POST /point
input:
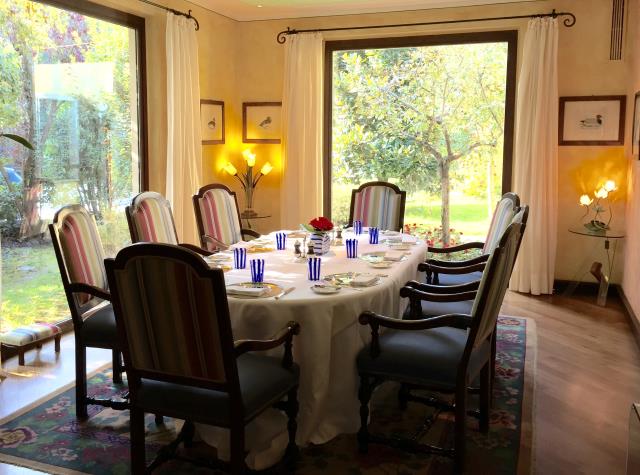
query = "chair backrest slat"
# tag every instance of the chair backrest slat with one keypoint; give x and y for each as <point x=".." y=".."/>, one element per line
<point x="505" y="210"/>
<point x="378" y="204"/>
<point x="494" y="283"/>
<point x="150" y="219"/>
<point x="173" y="312"/>
<point x="217" y="214"/>
<point x="75" y="237"/>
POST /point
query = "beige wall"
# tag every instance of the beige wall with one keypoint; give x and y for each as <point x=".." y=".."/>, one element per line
<point x="631" y="280"/>
<point x="584" y="69"/>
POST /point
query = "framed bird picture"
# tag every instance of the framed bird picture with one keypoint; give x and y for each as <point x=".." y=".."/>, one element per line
<point x="212" y="121"/>
<point x="261" y="122"/>
<point x="592" y="120"/>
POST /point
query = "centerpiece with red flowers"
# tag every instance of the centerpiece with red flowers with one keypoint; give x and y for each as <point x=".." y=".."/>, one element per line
<point x="319" y="229"/>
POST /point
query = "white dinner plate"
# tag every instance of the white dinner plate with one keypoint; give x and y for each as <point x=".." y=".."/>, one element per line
<point x="381" y="264"/>
<point x="325" y="289"/>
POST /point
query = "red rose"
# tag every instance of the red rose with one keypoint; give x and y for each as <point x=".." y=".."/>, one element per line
<point x="321" y="224"/>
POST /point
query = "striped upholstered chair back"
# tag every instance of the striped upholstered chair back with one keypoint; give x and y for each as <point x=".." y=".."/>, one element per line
<point x="494" y="283"/>
<point x="79" y="250"/>
<point x="379" y="204"/>
<point x="505" y="210"/>
<point x="172" y="312"/>
<point x="150" y="219"/>
<point x="217" y="215"/>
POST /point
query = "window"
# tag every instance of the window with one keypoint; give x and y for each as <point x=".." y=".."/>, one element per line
<point x="434" y="115"/>
<point x="72" y="83"/>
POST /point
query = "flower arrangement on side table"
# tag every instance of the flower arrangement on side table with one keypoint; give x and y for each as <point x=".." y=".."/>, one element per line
<point x="598" y="207"/>
<point x="319" y="228"/>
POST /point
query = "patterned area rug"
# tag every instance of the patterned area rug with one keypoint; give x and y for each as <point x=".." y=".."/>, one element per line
<point x="47" y="436"/>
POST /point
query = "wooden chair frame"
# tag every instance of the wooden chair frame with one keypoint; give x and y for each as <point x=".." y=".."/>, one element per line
<point x="230" y="350"/>
<point x="78" y="316"/>
<point x="397" y="190"/>
<point x="204" y="237"/>
<point x="433" y="267"/>
<point x="466" y="322"/>
<point x="133" y="231"/>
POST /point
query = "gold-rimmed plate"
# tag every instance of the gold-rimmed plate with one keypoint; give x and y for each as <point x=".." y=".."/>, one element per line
<point x="271" y="290"/>
<point x="346" y="279"/>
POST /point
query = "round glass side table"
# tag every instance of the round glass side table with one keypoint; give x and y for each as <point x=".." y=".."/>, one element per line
<point x="249" y="217"/>
<point x="602" y="275"/>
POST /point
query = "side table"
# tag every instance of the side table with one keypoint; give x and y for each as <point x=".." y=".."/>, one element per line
<point x="607" y="235"/>
<point x="249" y="217"/>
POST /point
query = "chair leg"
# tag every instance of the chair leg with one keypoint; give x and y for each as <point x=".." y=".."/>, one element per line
<point x="403" y="397"/>
<point x="138" y="458"/>
<point x="460" y="428"/>
<point x="238" y="466"/>
<point x="485" y="396"/>
<point x="117" y="366"/>
<point x="21" y="357"/>
<point x="364" y="394"/>
<point x="292" y="424"/>
<point x="81" y="380"/>
<point x="159" y="419"/>
<point x="57" y="343"/>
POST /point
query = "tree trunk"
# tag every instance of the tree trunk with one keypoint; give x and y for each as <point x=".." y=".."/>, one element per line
<point x="446" y="199"/>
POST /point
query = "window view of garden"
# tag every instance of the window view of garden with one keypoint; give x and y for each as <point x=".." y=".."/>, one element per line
<point x="429" y="119"/>
<point x="69" y="86"/>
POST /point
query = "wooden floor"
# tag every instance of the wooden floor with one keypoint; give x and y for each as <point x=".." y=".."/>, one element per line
<point x="588" y="374"/>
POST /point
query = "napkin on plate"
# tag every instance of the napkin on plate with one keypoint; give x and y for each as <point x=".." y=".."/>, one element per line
<point x="247" y="291"/>
<point x="364" y="280"/>
<point x="393" y="255"/>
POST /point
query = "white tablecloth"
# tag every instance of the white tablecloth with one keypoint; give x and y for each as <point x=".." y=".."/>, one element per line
<point x="326" y="348"/>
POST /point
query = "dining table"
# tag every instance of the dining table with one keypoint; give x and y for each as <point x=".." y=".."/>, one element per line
<point x="330" y="338"/>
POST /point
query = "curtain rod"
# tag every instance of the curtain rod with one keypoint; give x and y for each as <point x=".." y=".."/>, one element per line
<point x="175" y="12"/>
<point x="568" y="22"/>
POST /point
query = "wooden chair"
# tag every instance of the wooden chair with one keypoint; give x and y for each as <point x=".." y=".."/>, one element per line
<point x="218" y="218"/>
<point x="378" y="203"/>
<point x="441" y="272"/>
<point x="173" y="321"/>
<point x="80" y="257"/>
<point x="150" y="219"/>
<point x="441" y="354"/>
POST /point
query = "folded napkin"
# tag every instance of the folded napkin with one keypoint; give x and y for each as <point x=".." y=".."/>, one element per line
<point x="393" y="255"/>
<point x="364" y="280"/>
<point x="247" y="291"/>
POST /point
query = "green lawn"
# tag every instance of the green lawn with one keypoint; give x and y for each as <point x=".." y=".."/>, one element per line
<point x="31" y="285"/>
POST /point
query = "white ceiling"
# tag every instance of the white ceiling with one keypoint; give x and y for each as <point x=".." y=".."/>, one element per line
<point x="247" y="10"/>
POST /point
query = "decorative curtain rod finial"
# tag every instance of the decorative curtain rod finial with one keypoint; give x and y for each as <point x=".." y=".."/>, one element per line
<point x="282" y="36"/>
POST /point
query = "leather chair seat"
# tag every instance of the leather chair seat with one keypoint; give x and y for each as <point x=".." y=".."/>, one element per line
<point x="99" y="330"/>
<point x="263" y="382"/>
<point x="434" y="309"/>
<point x="458" y="279"/>
<point x="427" y="358"/>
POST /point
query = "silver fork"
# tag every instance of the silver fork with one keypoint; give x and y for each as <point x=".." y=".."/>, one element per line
<point x="284" y="292"/>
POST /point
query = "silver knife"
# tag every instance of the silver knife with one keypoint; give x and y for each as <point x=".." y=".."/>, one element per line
<point x="284" y="292"/>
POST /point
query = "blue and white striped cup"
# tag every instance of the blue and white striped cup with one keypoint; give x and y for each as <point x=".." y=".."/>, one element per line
<point x="257" y="270"/>
<point x="352" y="248"/>
<point x="357" y="227"/>
<point x="240" y="258"/>
<point x="314" y="268"/>
<point x="373" y="235"/>
<point x="281" y="241"/>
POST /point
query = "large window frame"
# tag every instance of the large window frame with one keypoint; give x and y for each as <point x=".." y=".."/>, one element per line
<point x="507" y="36"/>
<point x="118" y="17"/>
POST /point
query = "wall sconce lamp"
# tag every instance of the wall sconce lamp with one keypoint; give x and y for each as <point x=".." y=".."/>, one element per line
<point x="247" y="180"/>
<point x="597" y="205"/>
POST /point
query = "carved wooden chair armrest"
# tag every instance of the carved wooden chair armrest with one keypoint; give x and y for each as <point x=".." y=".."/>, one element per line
<point x="198" y="249"/>
<point x="81" y="288"/>
<point x="217" y="244"/>
<point x="376" y="321"/>
<point x="249" y="232"/>
<point x="456" y="248"/>
<point x="416" y="296"/>
<point x="479" y="267"/>
<point x="444" y="289"/>
<point x="460" y="263"/>
<point x="283" y="336"/>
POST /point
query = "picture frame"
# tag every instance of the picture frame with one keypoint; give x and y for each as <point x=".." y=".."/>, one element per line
<point x="592" y="120"/>
<point x="635" y="133"/>
<point x="261" y="122"/>
<point x="212" y="121"/>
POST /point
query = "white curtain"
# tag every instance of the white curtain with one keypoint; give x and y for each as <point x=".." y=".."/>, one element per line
<point x="184" y="144"/>
<point x="301" y="195"/>
<point x="536" y="157"/>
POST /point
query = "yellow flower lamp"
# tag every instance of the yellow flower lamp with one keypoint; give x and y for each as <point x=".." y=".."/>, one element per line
<point x="598" y="206"/>
<point x="247" y="180"/>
